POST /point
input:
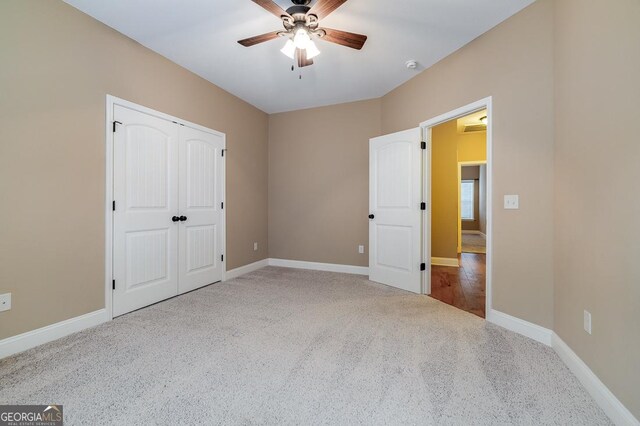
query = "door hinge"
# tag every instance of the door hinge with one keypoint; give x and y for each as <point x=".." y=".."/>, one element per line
<point x="114" y="125"/>
<point x="423" y="145"/>
<point x="113" y="206"/>
<point x="423" y="206"/>
<point x="223" y="152"/>
<point x="113" y="286"/>
<point x="423" y="266"/>
<point x="222" y="205"/>
<point x="222" y="258"/>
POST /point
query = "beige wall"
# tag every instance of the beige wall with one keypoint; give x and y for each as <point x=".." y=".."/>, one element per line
<point x="574" y="63"/>
<point x="319" y="182"/>
<point x="597" y="154"/>
<point x="513" y="63"/>
<point x="58" y="64"/>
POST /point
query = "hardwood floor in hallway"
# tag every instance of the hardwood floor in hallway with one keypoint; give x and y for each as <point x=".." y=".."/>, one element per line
<point x="462" y="287"/>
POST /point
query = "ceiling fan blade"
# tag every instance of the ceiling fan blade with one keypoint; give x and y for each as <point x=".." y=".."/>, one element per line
<point x="323" y="8"/>
<point x="301" y="58"/>
<point x="344" y="38"/>
<point x="247" y="42"/>
<point x="270" y="6"/>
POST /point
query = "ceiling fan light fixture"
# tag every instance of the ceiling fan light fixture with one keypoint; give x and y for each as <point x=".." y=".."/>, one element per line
<point x="289" y="49"/>
<point x="312" y="50"/>
<point x="301" y="39"/>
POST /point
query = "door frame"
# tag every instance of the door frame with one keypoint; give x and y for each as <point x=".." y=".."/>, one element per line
<point x="426" y="126"/>
<point x="462" y="164"/>
<point x="111" y="102"/>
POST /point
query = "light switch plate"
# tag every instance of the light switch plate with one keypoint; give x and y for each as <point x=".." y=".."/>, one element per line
<point x="511" y="202"/>
<point x="5" y="302"/>
<point x="587" y="321"/>
<point x="361" y="249"/>
<point x="255" y="246"/>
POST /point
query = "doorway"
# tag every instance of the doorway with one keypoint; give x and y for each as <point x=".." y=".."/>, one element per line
<point x="401" y="201"/>
<point x="472" y="211"/>
<point x="460" y="199"/>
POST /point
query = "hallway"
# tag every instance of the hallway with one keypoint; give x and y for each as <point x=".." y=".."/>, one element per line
<point x="462" y="287"/>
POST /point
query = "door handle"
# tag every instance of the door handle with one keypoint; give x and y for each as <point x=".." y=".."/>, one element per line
<point x="371" y="216"/>
<point x="175" y="219"/>
<point x="182" y="218"/>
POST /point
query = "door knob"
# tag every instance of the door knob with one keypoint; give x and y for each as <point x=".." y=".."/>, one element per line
<point x="182" y="218"/>
<point x="371" y="216"/>
<point x="175" y="218"/>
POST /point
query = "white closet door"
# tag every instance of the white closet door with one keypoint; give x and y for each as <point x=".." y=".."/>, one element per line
<point x="145" y="242"/>
<point x="201" y="191"/>
<point x="395" y="220"/>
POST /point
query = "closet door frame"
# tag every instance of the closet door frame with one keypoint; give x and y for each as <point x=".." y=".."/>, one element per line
<point x="111" y="102"/>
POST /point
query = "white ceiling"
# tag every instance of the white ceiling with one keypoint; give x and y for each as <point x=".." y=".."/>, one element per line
<point x="201" y="36"/>
<point x="470" y="120"/>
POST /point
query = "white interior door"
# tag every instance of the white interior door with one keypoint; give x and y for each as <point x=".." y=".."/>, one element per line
<point x="145" y="240"/>
<point x="395" y="220"/>
<point x="201" y="238"/>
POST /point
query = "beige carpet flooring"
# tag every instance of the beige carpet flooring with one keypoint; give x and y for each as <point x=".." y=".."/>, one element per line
<point x="474" y="243"/>
<point x="284" y="346"/>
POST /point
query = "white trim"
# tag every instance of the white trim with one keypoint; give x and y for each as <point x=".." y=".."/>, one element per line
<point x="235" y="273"/>
<point x="520" y="326"/>
<point x="426" y="217"/>
<point x="486" y="103"/>
<point x="108" y="210"/>
<point x="111" y="102"/>
<point x="445" y="261"/>
<point x="315" y="266"/>
<point x="31" y="339"/>
<point x="611" y="405"/>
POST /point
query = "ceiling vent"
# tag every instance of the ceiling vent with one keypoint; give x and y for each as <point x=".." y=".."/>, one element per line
<point x="470" y="128"/>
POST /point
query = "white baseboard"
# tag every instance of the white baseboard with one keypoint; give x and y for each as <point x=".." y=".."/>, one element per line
<point x="31" y="339"/>
<point x="235" y="273"/>
<point x="315" y="266"/>
<point x="520" y="326"/>
<point x="611" y="405"/>
<point x="445" y="261"/>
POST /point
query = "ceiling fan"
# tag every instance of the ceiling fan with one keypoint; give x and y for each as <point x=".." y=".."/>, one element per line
<point x="301" y="26"/>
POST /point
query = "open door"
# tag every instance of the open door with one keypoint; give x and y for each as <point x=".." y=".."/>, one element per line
<point x="395" y="215"/>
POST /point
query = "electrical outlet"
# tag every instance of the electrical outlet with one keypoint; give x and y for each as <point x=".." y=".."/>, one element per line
<point x="361" y="249"/>
<point x="255" y="246"/>
<point x="587" y="321"/>
<point x="511" y="202"/>
<point x="5" y="302"/>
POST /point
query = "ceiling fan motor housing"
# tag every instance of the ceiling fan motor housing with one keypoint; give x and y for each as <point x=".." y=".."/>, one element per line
<point x="298" y="11"/>
<point x="301" y="2"/>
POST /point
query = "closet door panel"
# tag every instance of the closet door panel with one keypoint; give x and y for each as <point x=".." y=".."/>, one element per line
<point x="201" y="197"/>
<point x="145" y="240"/>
